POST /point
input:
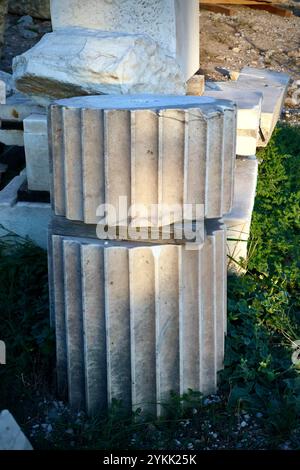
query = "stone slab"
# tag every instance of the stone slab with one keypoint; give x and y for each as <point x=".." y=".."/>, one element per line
<point x="12" y="137"/>
<point x="36" y="8"/>
<point x="238" y="221"/>
<point x="9" y="194"/>
<point x="173" y="24"/>
<point x="11" y="435"/>
<point x="265" y="76"/>
<point x="76" y="61"/>
<point x="25" y="219"/>
<point x="272" y="85"/>
<point x="3" y="13"/>
<point x="18" y="107"/>
<point x="248" y="117"/>
<point x="37" y="152"/>
<point x="151" y="150"/>
<point x="8" y="80"/>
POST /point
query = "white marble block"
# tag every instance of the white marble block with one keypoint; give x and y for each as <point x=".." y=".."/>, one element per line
<point x="248" y="116"/>
<point x="153" y="150"/>
<point x="18" y="107"/>
<point x="273" y="88"/>
<point x="2" y="92"/>
<point x="37" y="152"/>
<point x="273" y="85"/>
<point x="238" y="221"/>
<point x="11" y="436"/>
<point x="173" y="24"/>
<point x="12" y="137"/>
<point x="136" y="321"/>
<point x="15" y="109"/>
<point x="25" y="219"/>
<point x="78" y="61"/>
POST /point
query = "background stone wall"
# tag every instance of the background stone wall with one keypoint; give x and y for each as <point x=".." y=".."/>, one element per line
<point x="3" y="12"/>
<point x="35" y="8"/>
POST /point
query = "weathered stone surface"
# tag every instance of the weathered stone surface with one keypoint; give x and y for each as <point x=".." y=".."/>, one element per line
<point x="273" y="87"/>
<point x="173" y="24"/>
<point x="238" y="221"/>
<point x="167" y="322"/>
<point x="11" y="436"/>
<point x="169" y="151"/>
<point x="2" y="92"/>
<point x="77" y="61"/>
<point x="9" y="194"/>
<point x="9" y="83"/>
<point x="3" y="13"/>
<point x="26" y="219"/>
<point x="117" y="319"/>
<point x="143" y="327"/>
<point x="18" y="107"/>
<point x="265" y="76"/>
<point x="74" y="324"/>
<point x="94" y="328"/>
<point x="12" y="137"/>
<point x="163" y="322"/>
<point x="37" y="152"/>
<point x="36" y="8"/>
<point x="248" y="116"/>
<point x="195" y="86"/>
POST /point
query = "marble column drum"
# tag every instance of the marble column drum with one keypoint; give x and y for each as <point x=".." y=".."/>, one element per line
<point x="162" y="150"/>
<point x="135" y="321"/>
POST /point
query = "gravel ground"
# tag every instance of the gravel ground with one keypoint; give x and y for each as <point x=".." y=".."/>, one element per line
<point x="256" y="39"/>
<point x="251" y="37"/>
<point x="210" y="427"/>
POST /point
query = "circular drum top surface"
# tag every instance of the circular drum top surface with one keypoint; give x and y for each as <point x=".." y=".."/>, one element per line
<point x="142" y="101"/>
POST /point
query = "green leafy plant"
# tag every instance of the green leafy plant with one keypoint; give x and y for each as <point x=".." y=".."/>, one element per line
<point x="24" y="316"/>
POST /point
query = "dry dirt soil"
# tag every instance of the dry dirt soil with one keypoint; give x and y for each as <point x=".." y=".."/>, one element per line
<point x="250" y="37"/>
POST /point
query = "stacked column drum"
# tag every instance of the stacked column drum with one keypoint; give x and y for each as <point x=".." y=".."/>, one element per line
<point x="138" y="318"/>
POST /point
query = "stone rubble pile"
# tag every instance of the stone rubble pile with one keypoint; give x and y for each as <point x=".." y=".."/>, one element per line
<point x="135" y="322"/>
